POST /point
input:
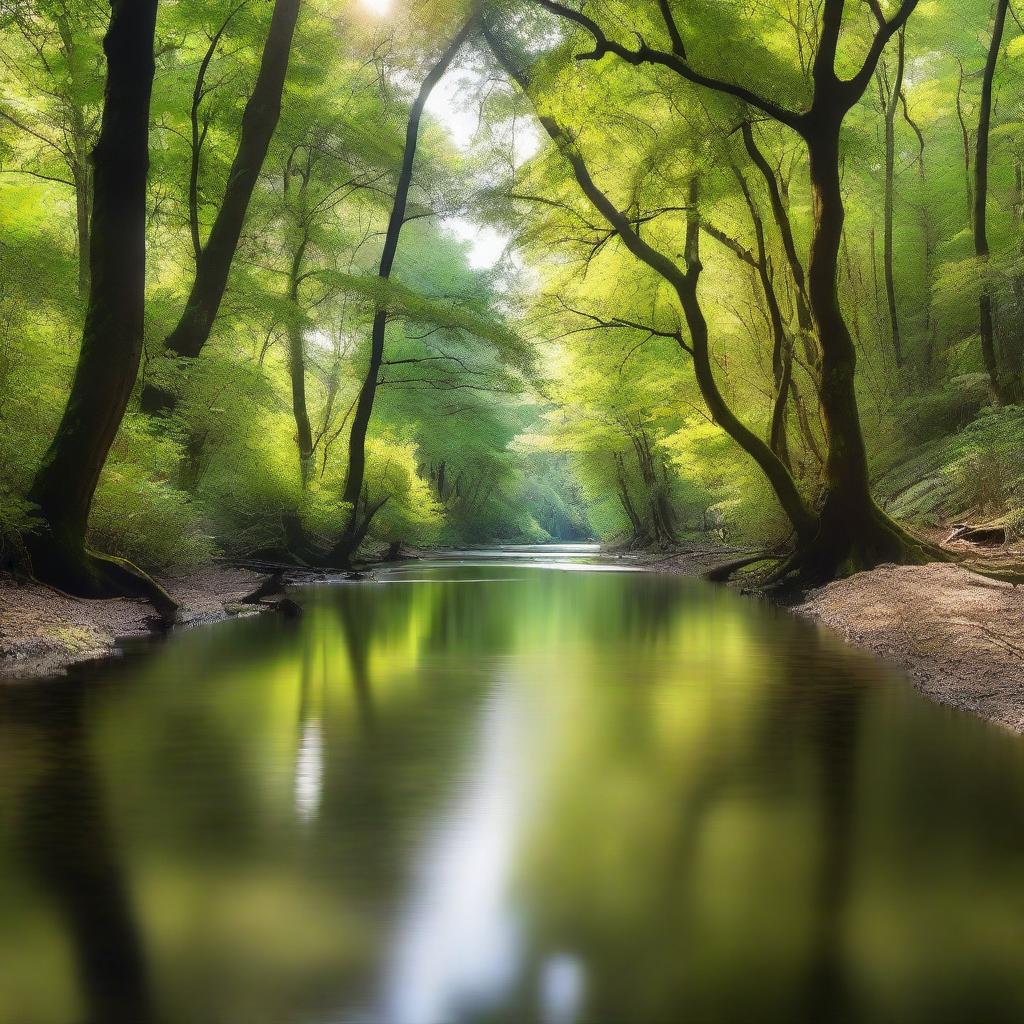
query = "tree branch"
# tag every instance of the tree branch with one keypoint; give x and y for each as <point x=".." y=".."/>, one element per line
<point x="887" y="29"/>
<point x="674" y="61"/>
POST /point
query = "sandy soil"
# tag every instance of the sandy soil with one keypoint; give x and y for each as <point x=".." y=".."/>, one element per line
<point x="43" y="632"/>
<point x="959" y="636"/>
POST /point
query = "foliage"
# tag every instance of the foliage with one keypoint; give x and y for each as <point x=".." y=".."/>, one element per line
<point x="549" y="393"/>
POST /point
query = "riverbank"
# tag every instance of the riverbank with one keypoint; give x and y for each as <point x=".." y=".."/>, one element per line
<point x="958" y="636"/>
<point x="45" y="632"/>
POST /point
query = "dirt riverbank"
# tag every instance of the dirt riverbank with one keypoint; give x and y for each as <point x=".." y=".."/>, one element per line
<point x="44" y="632"/>
<point x="959" y="636"/>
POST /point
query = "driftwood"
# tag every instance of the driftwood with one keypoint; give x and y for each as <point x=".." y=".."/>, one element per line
<point x="986" y="536"/>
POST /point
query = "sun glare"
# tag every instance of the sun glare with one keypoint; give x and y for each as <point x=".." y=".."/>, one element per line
<point x="378" y="7"/>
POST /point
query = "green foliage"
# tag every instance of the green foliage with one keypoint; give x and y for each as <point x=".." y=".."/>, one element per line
<point x="150" y="523"/>
<point x="550" y="395"/>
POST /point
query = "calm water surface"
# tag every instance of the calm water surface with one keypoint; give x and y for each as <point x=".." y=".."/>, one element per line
<point x="506" y="788"/>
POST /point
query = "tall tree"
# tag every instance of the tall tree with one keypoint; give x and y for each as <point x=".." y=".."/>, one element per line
<point x="112" y="338"/>
<point x="58" y="117"/>
<point x="853" y="533"/>
<point x="213" y="264"/>
<point x="360" y="516"/>
<point x="981" y="242"/>
<point x="890" y="91"/>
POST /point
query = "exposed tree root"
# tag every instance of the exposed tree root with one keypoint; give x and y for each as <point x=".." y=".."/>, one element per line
<point x="723" y="573"/>
<point x="844" y="551"/>
<point x="81" y="573"/>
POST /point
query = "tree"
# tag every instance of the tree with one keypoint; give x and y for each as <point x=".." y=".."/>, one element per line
<point x="851" y="531"/>
<point x="1000" y="391"/>
<point x="360" y="516"/>
<point x="56" y="114"/>
<point x="890" y="91"/>
<point x="112" y="339"/>
<point x="213" y="261"/>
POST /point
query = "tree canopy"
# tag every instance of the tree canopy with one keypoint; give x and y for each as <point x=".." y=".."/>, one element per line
<point x="517" y="270"/>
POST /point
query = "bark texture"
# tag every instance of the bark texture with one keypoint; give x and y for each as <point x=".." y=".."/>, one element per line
<point x="108" y="362"/>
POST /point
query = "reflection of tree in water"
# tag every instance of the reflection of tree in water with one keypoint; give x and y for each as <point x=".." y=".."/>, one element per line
<point x="653" y="938"/>
<point x="65" y="835"/>
<point x="381" y="708"/>
<point x="801" y="723"/>
<point x="359" y="618"/>
<point x="647" y="606"/>
<point x="817" y="704"/>
<point x="471" y="616"/>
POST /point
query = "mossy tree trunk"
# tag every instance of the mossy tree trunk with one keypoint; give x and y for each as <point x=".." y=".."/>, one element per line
<point x="111" y="349"/>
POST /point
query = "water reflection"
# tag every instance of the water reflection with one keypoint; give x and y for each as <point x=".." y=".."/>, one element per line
<point x="458" y="947"/>
<point x="64" y="838"/>
<point x="564" y="797"/>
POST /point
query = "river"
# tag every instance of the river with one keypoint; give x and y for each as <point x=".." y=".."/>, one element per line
<point x="506" y="786"/>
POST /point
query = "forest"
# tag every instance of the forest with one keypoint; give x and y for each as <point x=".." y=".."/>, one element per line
<point x="317" y="279"/>
<point x="511" y="511"/>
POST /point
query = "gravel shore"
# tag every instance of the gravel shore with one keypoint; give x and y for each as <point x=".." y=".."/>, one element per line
<point x="45" y="632"/>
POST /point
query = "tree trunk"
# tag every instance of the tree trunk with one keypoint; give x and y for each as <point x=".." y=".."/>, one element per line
<point x="259" y="121"/>
<point x="297" y="372"/>
<point x="785" y="228"/>
<point x="346" y="547"/>
<point x="928" y="232"/>
<point x="965" y="141"/>
<point x="641" y="535"/>
<point x="981" y="245"/>
<point x="782" y="348"/>
<point x="112" y="338"/>
<point x="854" y="533"/>
<point x="686" y="288"/>
<point x="891" y="107"/>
